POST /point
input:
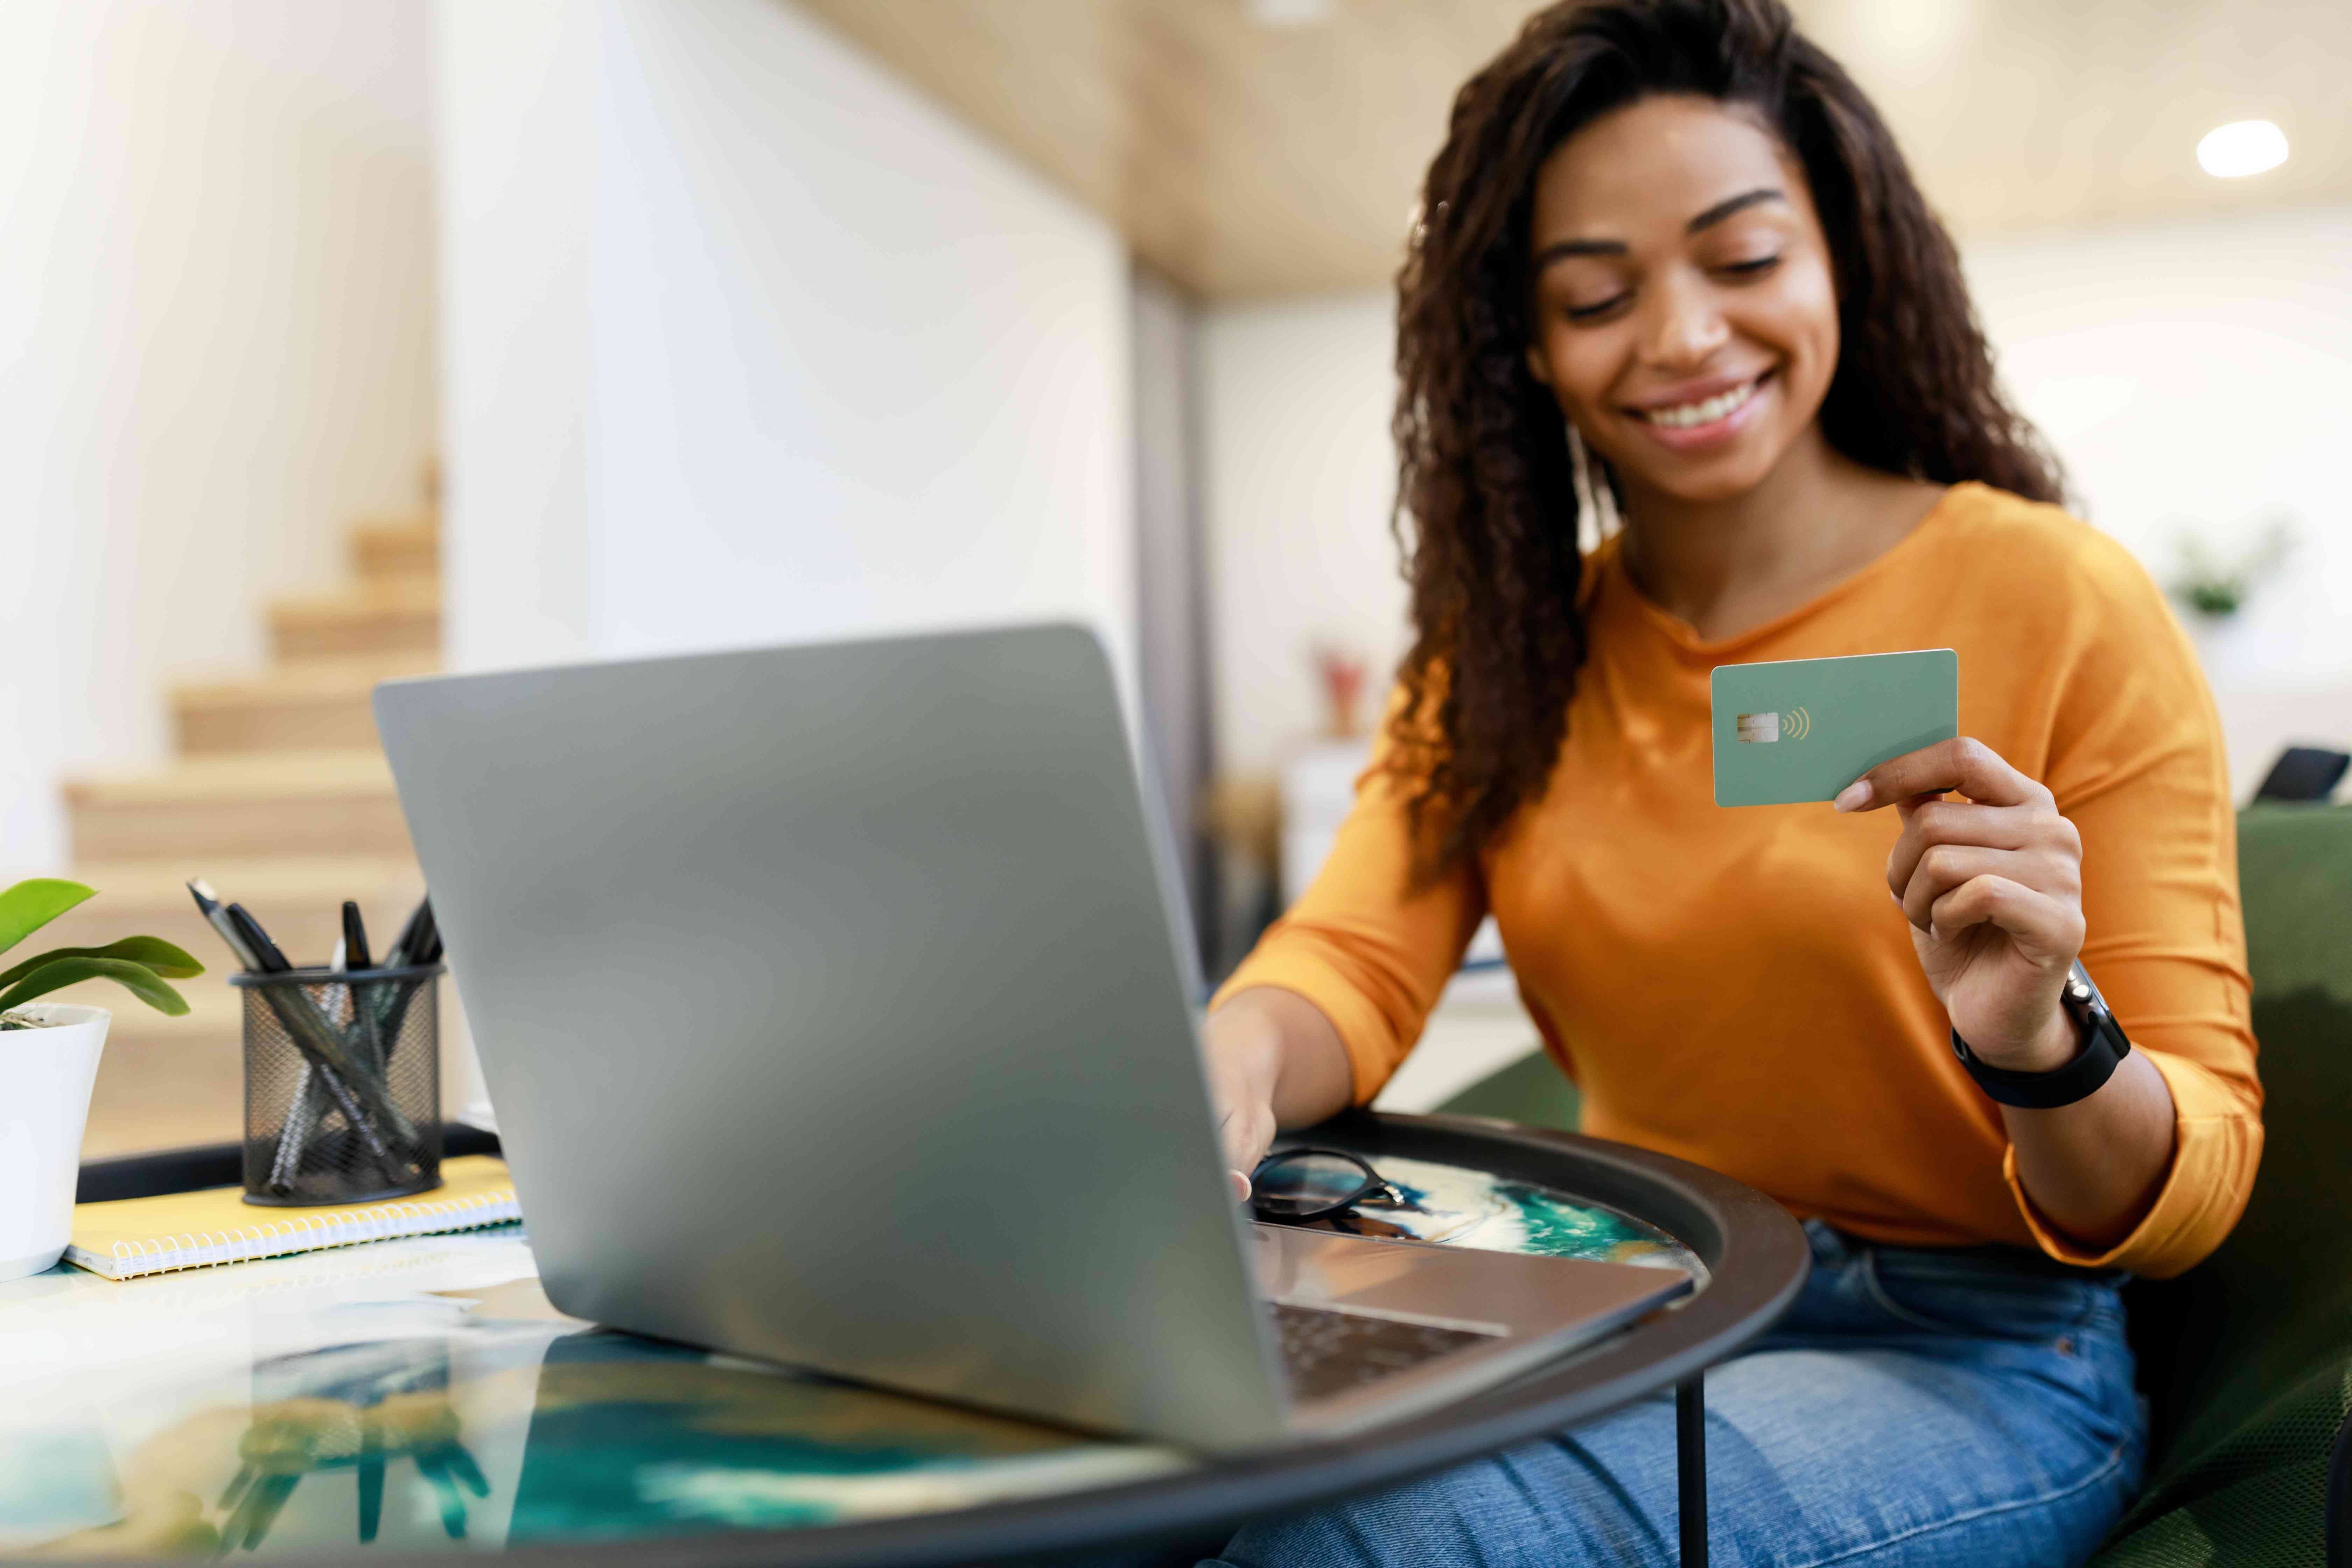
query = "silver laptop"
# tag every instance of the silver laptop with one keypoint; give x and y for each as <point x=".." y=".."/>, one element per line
<point x="833" y="1005"/>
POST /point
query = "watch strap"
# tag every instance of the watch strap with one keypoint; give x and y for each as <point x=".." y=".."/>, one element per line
<point x="2104" y="1046"/>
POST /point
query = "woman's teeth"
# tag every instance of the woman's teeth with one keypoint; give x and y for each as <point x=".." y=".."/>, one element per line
<point x="1685" y="415"/>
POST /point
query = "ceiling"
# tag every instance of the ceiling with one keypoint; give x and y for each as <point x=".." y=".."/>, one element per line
<point x="1244" y="161"/>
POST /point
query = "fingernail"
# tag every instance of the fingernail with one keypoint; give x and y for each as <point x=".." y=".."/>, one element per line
<point x="1895" y="897"/>
<point x="1854" y="797"/>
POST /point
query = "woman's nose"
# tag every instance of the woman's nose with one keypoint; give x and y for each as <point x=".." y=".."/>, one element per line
<point x="1683" y="328"/>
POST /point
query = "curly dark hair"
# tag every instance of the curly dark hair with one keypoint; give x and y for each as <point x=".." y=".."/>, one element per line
<point x="1484" y="472"/>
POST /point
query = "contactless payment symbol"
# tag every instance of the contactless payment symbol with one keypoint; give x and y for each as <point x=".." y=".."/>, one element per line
<point x="1790" y="730"/>
<point x="1764" y="729"/>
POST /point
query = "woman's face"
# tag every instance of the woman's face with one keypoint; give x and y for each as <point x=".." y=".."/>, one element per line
<point x="1685" y="315"/>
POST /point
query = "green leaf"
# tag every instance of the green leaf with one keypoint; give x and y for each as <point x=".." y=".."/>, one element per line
<point x="136" y="978"/>
<point x="30" y="905"/>
<point x="152" y="952"/>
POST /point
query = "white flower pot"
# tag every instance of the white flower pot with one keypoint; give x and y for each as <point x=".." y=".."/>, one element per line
<point x="44" y="1079"/>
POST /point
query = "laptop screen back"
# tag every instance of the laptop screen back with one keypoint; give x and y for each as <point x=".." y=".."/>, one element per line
<point x="830" y="1005"/>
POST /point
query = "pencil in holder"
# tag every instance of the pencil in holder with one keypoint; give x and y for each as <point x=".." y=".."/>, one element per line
<point x="342" y="1084"/>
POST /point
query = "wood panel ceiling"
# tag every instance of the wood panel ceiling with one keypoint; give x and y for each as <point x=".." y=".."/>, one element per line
<point x="1246" y="160"/>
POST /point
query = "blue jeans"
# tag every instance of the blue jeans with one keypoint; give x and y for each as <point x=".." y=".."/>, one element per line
<point x="1914" y="1407"/>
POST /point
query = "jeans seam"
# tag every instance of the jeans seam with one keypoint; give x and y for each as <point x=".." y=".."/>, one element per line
<point x="2113" y="1460"/>
<point x="1878" y="1294"/>
<point x="1886" y="1303"/>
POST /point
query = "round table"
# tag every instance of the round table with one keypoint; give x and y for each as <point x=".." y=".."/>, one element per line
<point x="1757" y="1257"/>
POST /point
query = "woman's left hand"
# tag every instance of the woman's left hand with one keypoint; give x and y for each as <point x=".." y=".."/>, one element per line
<point x="1993" y="888"/>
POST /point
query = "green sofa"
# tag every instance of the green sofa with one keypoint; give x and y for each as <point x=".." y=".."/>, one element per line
<point x="2247" y="1358"/>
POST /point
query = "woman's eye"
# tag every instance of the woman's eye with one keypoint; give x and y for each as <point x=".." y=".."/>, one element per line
<point x="1597" y="309"/>
<point x="1750" y="269"/>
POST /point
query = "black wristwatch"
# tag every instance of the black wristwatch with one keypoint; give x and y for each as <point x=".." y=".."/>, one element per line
<point x="2104" y="1046"/>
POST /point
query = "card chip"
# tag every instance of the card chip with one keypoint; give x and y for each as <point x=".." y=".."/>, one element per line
<point x="1759" y="727"/>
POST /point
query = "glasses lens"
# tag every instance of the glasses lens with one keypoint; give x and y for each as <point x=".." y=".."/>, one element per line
<point x="1309" y="1181"/>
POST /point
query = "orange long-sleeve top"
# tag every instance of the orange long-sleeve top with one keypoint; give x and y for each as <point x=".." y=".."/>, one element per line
<point x="1734" y="987"/>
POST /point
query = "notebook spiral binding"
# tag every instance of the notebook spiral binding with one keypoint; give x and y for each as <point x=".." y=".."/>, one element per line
<point x="298" y="1233"/>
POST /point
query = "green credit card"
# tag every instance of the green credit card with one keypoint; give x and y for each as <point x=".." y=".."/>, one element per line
<point x="1804" y="729"/>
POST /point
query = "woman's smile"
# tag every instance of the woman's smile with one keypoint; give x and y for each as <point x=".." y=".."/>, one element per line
<point x="1696" y="417"/>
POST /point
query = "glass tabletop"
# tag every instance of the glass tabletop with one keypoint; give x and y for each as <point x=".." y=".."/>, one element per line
<point x="424" y="1396"/>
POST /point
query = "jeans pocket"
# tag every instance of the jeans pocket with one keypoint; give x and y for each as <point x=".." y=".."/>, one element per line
<point x="1982" y="1297"/>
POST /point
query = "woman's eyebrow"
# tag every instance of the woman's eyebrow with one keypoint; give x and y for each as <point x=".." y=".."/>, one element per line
<point x="1713" y="216"/>
<point x="1739" y="203"/>
<point x="1566" y="248"/>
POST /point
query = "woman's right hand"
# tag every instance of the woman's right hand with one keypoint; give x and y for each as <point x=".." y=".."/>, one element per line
<point x="1273" y="1060"/>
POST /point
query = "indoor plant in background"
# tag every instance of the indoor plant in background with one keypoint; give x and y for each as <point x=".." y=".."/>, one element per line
<point x="2216" y="582"/>
<point x="48" y="1059"/>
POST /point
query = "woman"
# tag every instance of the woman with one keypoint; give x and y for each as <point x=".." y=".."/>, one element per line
<point x="1671" y="264"/>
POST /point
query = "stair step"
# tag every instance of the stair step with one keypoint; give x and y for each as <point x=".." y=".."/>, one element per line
<point x="403" y="618"/>
<point x="313" y="706"/>
<point x="280" y="890"/>
<point x="164" y="1094"/>
<point x="391" y="666"/>
<point x="397" y="550"/>
<point x="212" y="808"/>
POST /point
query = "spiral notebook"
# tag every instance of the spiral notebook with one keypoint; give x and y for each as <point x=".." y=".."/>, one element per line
<point x="134" y="1237"/>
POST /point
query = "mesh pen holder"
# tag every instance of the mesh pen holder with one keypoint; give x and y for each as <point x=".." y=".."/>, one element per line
<point x="342" y="1084"/>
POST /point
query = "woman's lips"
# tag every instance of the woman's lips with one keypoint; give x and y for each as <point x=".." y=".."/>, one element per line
<point x="1686" y="426"/>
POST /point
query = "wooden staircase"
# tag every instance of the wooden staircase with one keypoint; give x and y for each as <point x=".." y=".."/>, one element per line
<point x="280" y="798"/>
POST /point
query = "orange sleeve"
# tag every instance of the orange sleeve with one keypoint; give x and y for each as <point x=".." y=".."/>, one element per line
<point x="2137" y="764"/>
<point x="1372" y="955"/>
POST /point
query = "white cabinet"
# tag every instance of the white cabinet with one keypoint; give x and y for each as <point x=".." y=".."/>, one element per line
<point x="1478" y="1025"/>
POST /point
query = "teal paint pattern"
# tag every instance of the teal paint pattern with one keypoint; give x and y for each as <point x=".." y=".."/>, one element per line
<point x="1460" y="1207"/>
<point x="412" y="1395"/>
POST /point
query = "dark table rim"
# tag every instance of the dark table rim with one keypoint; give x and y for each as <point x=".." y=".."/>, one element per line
<point x="1755" y="1253"/>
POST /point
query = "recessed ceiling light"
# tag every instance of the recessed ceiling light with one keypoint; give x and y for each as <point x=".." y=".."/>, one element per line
<point x="1289" y="16"/>
<point x="2240" y="148"/>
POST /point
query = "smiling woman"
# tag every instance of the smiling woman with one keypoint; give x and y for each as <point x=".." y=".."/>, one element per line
<point x="1705" y="247"/>
<point x="1670" y="248"/>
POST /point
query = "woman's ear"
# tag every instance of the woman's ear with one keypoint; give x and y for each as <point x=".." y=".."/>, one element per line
<point x="1538" y="366"/>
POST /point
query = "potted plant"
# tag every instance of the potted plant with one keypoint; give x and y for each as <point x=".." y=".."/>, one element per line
<point x="48" y="1059"/>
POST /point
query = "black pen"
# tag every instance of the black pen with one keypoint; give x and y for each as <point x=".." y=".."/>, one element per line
<point x="290" y="1140"/>
<point x="265" y="952"/>
<point x="355" y="946"/>
<point x="406" y="943"/>
<point x="420" y="944"/>
<point x="427" y="947"/>
<point x="208" y="905"/>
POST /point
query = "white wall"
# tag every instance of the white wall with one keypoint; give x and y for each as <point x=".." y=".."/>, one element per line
<point x="2194" y="373"/>
<point x="215" y="298"/>
<point x="743" y="341"/>
<point x="1300" y="475"/>
<point x="515" y="137"/>
<point x="2198" y="377"/>
<point x="748" y="342"/>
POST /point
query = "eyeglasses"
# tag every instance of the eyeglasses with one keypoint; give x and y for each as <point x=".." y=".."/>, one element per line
<point x="1292" y="1186"/>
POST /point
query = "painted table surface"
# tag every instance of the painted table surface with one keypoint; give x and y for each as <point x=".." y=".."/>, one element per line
<point x="423" y="1395"/>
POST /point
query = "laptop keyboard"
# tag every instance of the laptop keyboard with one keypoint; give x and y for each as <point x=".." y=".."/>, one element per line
<point x="1326" y="1352"/>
